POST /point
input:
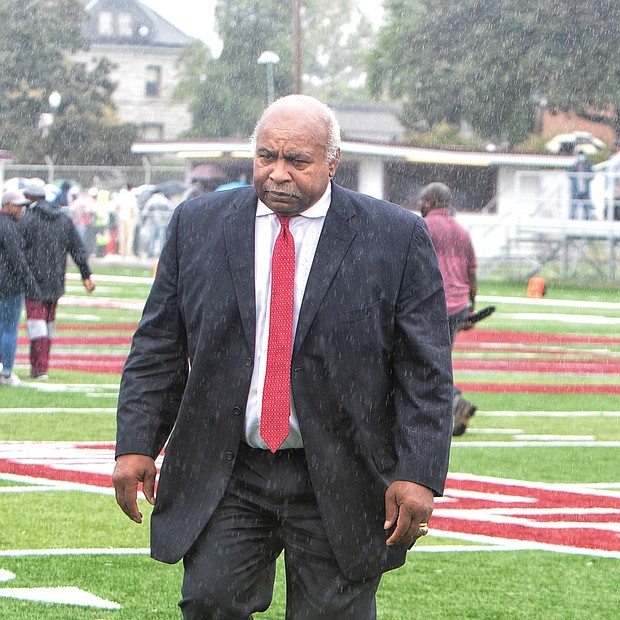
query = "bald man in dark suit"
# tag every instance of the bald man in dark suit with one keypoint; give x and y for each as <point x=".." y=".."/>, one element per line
<point x="348" y="486"/>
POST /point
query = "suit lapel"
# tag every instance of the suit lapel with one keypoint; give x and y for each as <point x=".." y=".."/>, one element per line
<point x="239" y="238"/>
<point x="336" y="237"/>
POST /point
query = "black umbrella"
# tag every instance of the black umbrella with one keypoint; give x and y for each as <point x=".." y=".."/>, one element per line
<point x="172" y="188"/>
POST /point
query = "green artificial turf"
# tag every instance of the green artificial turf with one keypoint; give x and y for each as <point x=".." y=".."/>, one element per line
<point x="84" y="529"/>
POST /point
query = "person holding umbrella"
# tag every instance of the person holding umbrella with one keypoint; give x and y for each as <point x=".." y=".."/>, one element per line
<point x="612" y="206"/>
<point x="580" y="178"/>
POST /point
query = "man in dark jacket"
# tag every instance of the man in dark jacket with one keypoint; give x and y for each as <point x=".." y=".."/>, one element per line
<point x="49" y="235"/>
<point x="15" y="279"/>
<point x="316" y="417"/>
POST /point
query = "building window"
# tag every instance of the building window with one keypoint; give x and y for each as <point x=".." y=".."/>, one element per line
<point x="152" y="132"/>
<point x="153" y="80"/>
<point x="106" y="24"/>
<point x="125" y="25"/>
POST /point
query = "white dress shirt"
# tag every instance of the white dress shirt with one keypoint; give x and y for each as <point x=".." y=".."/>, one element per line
<point x="306" y="229"/>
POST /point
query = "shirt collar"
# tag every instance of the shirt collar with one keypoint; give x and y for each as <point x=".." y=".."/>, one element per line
<point x="440" y="212"/>
<point x="318" y="209"/>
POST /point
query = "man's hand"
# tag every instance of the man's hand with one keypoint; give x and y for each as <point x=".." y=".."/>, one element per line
<point x="89" y="285"/>
<point x="407" y="504"/>
<point x="130" y="470"/>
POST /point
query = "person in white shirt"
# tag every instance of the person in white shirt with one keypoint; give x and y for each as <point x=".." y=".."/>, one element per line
<point x="127" y="219"/>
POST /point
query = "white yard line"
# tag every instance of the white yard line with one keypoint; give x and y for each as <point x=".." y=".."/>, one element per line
<point x="28" y="410"/>
<point x="53" y="485"/>
<point x="494" y="431"/>
<point x="585" y="319"/>
<point x="100" y="302"/>
<point x="84" y="388"/>
<point x="492" y="544"/>
<point x="536" y="444"/>
<point x="100" y="277"/>
<point x="548" y="414"/>
<point x="20" y="553"/>
<point x="562" y="303"/>
<point x="507" y="544"/>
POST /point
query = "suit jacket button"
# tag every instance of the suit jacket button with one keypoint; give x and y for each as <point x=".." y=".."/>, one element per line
<point x="237" y="410"/>
<point x="229" y="455"/>
<point x="248" y="361"/>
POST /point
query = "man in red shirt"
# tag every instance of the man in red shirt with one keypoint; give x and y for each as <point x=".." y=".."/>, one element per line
<point x="457" y="262"/>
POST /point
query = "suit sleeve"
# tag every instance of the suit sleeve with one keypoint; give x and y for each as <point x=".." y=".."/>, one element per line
<point x="422" y="369"/>
<point x="157" y="367"/>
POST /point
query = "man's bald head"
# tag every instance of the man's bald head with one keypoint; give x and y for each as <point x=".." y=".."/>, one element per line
<point x="317" y="112"/>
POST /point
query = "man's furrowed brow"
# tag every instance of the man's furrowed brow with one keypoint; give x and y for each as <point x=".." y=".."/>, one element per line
<point x="297" y="155"/>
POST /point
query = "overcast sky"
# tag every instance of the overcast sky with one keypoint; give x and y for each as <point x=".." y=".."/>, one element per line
<point x="196" y="18"/>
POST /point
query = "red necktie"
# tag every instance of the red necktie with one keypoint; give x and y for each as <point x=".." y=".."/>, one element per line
<point x="274" y="421"/>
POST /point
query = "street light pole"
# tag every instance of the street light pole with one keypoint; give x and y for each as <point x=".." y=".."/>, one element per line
<point x="539" y="98"/>
<point x="270" y="59"/>
<point x="298" y="46"/>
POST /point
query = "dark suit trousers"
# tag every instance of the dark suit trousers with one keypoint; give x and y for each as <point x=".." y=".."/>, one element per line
<point x="269" y="507"/>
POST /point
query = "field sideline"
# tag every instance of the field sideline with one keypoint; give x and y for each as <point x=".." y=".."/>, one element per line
<point x="532" y="506"/>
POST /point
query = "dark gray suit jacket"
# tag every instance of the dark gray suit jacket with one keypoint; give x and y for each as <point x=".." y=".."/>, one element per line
<point x="370" y="375"/>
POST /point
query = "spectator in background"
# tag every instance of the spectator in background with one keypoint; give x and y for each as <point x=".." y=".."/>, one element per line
<point x="83" y="216"/>
<point x="102" y="222"/>
<point x="49" y="236"/>
<point x="15" y="279"/>
<point x="63" y="199"/>
<point x="458" y="264"/>
<point x="126" y="218"/>
<point x="156" y="216"/>
<point x="580" y="174"/>
<point x="612" y="186"/>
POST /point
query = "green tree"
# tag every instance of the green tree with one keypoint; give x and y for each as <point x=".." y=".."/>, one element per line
<point x="226" y="95"/>
<point x="37" y="38"/>
<point x="481" y="62"/>
<point x="337" y="36"/>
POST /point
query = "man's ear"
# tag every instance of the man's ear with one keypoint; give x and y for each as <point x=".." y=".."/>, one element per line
<point x="333" y="165"/>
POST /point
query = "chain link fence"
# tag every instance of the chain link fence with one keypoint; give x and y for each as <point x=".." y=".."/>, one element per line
<point x="111" y="178"/>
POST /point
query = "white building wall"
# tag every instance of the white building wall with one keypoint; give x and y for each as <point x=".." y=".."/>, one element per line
<point x="370" y="176"/>
<point x="526" y="193"/>
<point x="130" y="75"/>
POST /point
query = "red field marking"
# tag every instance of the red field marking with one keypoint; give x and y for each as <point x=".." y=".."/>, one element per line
<point x="84" y="340"/>
<point x="560" y="362"/>
<point x="472" y="505"/>
<point x="544" y="365"/>
<point x="102" y="363"/>
<point x="503" y="337"/>
<point x="519" y="349"/>
<point x="541" y="513"/>
<point x="539" y="388"/>
<point x="113" y="327"/>
<point x="95" y="327"/>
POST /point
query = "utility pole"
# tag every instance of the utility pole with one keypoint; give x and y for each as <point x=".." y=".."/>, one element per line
<point x="298" y="46"/>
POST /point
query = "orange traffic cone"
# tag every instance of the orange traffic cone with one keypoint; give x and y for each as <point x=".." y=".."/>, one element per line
<point x="536" y="287"/>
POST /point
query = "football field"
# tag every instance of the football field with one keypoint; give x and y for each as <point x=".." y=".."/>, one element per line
<point x="529" y="526"/>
